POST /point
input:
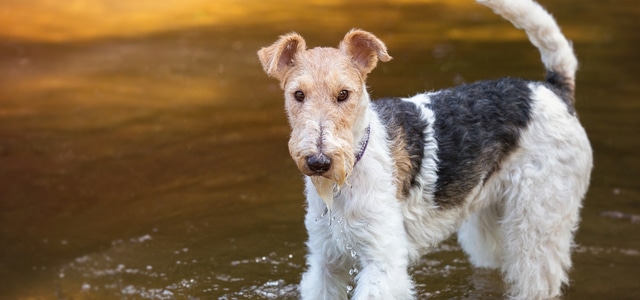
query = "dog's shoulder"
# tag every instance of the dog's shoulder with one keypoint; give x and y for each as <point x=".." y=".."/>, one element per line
<point x="405" y="126"/>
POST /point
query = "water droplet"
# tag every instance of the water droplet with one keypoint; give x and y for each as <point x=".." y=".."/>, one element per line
<point x="143" y="238"/>
<point x="167" y="293"/>
<point x="353" y="253"/>
<point x="185" y="283"/>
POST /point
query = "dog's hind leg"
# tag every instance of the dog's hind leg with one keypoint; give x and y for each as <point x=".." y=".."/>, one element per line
<point x="481" y="238"/>
<point x="538" y="238"/>
<point x="541" y="214"/>
<point x="543" y="183"/>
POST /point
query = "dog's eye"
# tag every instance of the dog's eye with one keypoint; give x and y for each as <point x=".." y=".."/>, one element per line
<point x="343" y="95"/>
<point x="299" y="96"/>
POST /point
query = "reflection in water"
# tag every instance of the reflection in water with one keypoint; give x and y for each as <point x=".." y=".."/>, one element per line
<point x="143" y="151"/>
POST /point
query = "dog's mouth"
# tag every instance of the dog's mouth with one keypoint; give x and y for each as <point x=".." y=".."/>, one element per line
<point x="326" y="175"/>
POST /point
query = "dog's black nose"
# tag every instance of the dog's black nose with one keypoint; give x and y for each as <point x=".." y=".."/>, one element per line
<point x="319" y="163"/>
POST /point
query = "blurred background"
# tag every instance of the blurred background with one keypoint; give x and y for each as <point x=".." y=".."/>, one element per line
<point x="143" y="151"/>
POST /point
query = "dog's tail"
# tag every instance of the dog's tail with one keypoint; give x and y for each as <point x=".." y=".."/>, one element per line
<point x="543" y="31"/>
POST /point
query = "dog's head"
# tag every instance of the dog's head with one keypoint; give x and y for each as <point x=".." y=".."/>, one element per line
<point x="325" y="98"/>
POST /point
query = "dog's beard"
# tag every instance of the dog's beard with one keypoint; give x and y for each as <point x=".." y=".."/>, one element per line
<point x="341" y="167"/>
<point x="327" y="184"/>
<point x="324" y="188"/>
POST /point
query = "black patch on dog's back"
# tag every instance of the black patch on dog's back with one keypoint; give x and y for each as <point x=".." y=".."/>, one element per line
<point x="405" y="127"/>
<point x="477" y="125"/>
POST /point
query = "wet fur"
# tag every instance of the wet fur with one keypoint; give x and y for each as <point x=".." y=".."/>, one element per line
<point x="504" y="163"/>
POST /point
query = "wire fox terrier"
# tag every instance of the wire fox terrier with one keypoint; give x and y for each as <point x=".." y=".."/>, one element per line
<point x="504" y="163"/>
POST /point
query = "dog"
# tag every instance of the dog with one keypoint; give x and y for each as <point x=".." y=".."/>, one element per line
<point x="504" y="163"/>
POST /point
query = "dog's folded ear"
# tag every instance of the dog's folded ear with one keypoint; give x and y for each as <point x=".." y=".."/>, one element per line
<point x="279" y="57"/>
<point x="365" y="49"/>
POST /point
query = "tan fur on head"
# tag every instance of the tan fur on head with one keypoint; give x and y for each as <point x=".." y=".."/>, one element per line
<point x="320" y="123"/>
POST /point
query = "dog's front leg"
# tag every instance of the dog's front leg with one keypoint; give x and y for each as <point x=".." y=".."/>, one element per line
<point x="384" y="260"/>
<point x="327" y="276"/>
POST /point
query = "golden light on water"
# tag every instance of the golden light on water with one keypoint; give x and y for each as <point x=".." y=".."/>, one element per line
<point x="54" y="20"/>
<point x="60" y="21"/>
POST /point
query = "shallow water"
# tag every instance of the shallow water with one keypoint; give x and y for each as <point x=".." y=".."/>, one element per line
<point x="143" y="150"/>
